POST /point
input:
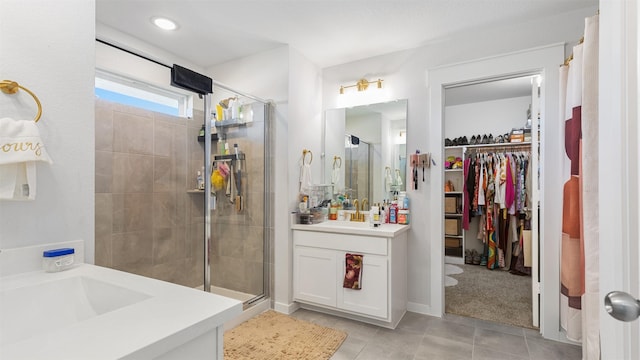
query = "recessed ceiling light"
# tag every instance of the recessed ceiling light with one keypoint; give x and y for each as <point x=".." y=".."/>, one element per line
<point x="164" y="23"/>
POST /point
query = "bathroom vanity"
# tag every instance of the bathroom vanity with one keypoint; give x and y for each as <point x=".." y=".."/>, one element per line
<point x="319" y="252"/>
<point x="91" y="312"/>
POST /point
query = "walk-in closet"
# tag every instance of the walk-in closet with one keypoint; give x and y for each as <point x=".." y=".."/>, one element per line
<point x="490" y="170"/>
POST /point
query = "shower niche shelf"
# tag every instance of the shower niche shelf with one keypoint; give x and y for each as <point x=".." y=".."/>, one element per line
<point x="229" y="157"/>
<point x="230" y="123"/>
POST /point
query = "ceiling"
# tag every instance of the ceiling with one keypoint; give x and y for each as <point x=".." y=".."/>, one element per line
<point x="328" y="32"/>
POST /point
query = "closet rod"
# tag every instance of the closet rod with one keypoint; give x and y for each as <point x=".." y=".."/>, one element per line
<point x="217" y="83"/>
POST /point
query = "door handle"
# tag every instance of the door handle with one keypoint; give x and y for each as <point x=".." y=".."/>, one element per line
<point x="622" y="306"/>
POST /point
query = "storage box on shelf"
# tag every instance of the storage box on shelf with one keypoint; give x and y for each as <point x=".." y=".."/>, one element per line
<point x="453" y="199"/>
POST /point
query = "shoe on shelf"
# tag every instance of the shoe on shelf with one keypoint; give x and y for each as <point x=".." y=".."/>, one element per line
<point x="475" y="257"/>
<point x="499" y="139"/>
<point x="473" y="140"/>
<point x="490" y="139"/>
<point x="485" y="140"/>
<point x="465" y="141"/>
<point x="447" y="142"/>
<point x="468" y="259"/>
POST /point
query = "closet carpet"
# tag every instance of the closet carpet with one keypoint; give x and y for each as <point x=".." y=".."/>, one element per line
<point x="494" y="295"/>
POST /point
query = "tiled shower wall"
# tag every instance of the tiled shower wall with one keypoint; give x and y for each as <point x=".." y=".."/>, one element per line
<point x="146" y="221"/>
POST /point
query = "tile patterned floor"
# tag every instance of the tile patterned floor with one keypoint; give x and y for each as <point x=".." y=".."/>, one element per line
<point x="421" y="337"/>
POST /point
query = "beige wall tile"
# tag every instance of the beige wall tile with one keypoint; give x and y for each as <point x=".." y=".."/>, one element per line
<point x="132" y="212"/>
<point x="104" y="126"/>
<point x="163" y="174"/>
<point x="133" y="250"/>
<point x="103" y="171"/>
<point x="164" y="210"/>
<point x="132" y="173"/>
<point x="132" y="134"/>
<point x="167" y="246"/>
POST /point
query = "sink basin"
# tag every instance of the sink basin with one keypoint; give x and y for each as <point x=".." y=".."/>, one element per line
<point x="37" y="309"/>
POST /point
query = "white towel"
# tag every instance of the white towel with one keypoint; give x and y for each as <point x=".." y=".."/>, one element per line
<point x="305" y="179"/>
<point x="335" y="178"/>
<point x="398" y="178"/>
<point x="20" y="148"/>
<point x="388" y="180"/>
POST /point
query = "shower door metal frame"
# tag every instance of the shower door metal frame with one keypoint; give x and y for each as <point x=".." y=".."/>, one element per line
<point x="267" y="190"/>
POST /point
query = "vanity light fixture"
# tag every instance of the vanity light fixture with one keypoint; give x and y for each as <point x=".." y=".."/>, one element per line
<point x="362" y="85"/>
<point x="164" y="23"/>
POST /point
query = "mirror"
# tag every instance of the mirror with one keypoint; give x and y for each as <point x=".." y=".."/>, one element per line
<point x="365" y="153"/>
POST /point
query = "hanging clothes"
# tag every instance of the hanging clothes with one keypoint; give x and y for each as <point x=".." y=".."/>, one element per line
<point x="494" y="183"/>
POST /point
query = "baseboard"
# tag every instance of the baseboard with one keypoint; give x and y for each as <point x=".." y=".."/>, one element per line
<point x="421" y="309"/>
<point x="286" y="308"/>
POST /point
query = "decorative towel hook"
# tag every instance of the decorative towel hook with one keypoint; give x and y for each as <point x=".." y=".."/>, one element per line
<point x="12" y="87"/>
<point x="304" y="156"/>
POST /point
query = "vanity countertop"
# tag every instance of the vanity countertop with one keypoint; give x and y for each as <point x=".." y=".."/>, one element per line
<point x="354" y="228"/>
<point x="161" y="316"/>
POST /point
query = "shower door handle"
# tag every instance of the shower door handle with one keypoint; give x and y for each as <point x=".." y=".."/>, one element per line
<point x="622" y="306"/>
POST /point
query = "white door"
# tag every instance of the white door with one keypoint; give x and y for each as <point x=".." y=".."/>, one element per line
<point x="535" y="201"/>
<point x="314" y="275"/>
<point x="619" y="171"/>
<point x="372" y="298"/>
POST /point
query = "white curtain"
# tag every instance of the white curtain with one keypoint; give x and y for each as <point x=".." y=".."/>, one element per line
<point x="589" y="192"/>
<point x="579" y="249"/>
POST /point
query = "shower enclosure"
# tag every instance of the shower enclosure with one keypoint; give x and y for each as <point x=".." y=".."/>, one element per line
<point x="150" y="207"/>
<point x="357" y="165"/>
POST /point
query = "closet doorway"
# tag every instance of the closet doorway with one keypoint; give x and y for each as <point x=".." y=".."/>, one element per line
<point x="491" y="143"/>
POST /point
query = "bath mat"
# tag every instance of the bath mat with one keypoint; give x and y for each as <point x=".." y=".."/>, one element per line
<point x="452" y="269"/>
<point x="272" y="335"/>
<point x="449" y="281"/>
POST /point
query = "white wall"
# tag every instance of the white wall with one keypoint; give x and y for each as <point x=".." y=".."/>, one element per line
<point x="49" y="48"/>
<point x="293" y="83"/>
<point x="495" y="117"/>
<point x="405" y="76"/>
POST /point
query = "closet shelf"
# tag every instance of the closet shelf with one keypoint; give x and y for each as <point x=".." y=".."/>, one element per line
<point x="509" y="144"/>
<point x="454" y="236"/>
<point x="454" y="193"/>
<point x="452" y="170"/>
<point x="452" y="215"/>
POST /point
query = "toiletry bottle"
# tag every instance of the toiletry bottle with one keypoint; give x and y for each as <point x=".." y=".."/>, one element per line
<point x="219" y="112"/>
<point x="199" y="181"/>
<point x="374" y="216"/>
<point x="405" y="202"/>
<point x="235" y="149"/>
<point x="201" y="132"/>
<point x="393" y="213"/>
<point x="226" y="148"/>
<point x="235" y="109"/>
<point x="383" y="213"/>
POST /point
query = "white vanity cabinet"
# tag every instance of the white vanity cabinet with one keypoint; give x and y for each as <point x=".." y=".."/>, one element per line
<point x="319" y="267"/>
